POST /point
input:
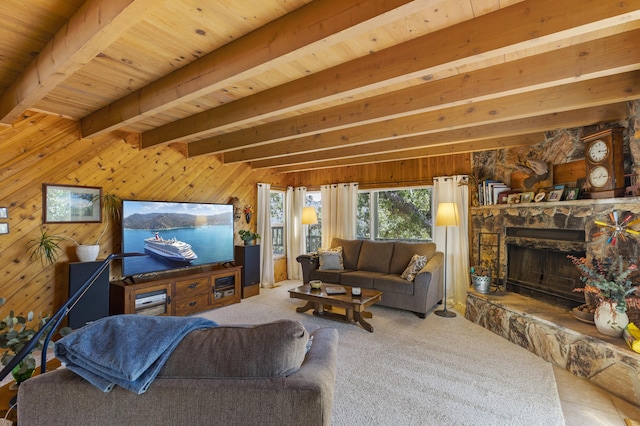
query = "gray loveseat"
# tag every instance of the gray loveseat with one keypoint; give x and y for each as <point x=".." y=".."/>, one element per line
<point x="379" y="265"/>
<point x="228" y="375"/>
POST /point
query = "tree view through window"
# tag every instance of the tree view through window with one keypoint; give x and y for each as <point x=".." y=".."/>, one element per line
<point x="277" y="222"/>
<point x="402" y="214"/>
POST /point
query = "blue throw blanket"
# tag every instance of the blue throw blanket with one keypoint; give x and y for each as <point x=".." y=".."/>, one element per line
<point x="124" y="350"/>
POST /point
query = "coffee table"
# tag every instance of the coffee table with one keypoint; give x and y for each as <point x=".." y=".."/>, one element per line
<point x="322" y="303"/>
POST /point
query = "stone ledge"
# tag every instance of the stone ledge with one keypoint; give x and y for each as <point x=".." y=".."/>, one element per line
<point x="555" y="335"/>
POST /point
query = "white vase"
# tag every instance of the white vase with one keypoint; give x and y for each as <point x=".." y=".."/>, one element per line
<point x="609" y="321"/>
<point x="87" y="253"/>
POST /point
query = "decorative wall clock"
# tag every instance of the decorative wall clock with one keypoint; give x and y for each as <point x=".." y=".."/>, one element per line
<point x="604" y="160"/>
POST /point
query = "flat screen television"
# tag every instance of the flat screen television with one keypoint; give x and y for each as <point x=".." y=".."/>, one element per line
<point x="175" y="235"/>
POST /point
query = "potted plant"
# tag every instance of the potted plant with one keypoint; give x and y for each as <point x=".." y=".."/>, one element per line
<point x="481" y="278"/>
<point x="111" y="207"/>
<point x="248" y="237"/>
<point x="15" y="332"/>
<point x="46" y="246"/>
<point x="610" y="281"/>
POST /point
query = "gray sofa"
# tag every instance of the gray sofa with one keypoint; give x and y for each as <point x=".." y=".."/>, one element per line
<point x="379" y="265"/>
<point x="231" y="375"/>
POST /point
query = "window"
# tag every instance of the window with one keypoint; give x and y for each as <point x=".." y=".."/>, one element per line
<point x="314" y="232"/>
<point x="277" y="222"/>
<point x="400" y="214"/>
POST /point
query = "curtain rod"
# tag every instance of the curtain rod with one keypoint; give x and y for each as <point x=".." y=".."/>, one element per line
<point x="364" y="185"/>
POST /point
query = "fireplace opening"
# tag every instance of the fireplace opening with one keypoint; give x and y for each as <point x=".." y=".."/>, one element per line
<point x="538" y="267"/>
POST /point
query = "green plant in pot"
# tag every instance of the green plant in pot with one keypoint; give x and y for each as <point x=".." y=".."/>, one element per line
<point x="249" y="237"/>
<point x="15" y="332"/>
<point x="46" y="246"/>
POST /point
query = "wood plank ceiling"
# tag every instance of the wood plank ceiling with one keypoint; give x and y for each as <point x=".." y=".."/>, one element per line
<point x="299" y="84"/>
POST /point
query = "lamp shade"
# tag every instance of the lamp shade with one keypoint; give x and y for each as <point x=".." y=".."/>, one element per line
<point x="447" y="215"/>
<point x="309" y="216"/>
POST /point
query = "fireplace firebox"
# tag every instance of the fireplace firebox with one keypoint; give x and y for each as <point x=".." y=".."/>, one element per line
<point x="538" y="267"/>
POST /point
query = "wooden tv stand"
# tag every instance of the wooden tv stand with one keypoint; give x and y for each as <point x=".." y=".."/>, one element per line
<point x="177" y="294"/>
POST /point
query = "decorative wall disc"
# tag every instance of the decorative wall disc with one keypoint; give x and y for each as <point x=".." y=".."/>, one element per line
<point x="618" y="228"/>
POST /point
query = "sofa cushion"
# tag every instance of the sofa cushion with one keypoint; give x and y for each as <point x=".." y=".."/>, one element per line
<point x="326" y="276"/>
<point x="392" y="283"/>
<point x="375" y="257"/>
<point x="350" y="251"/>
<point x="331" y="260"/>
<point x="362" y="279"/>
<point x="274" y="349"/>
<point x="415" y="265"/>
<point x="403" y="252"/>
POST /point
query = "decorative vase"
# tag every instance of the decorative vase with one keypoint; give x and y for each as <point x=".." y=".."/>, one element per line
<point x="20" y="373"/>
<point x="87" y="253"/>
<point x="609" y="321"/>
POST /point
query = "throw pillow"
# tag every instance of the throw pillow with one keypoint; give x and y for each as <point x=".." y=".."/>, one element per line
<point x="416" y="263"/>
<point x="331" y="260"/>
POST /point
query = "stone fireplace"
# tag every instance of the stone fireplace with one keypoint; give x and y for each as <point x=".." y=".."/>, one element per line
<point x="533" y="240"/>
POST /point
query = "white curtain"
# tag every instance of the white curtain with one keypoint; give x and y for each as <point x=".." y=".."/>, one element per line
<point x="263" y="211"/>
<point x="339" y="205"/>
<point x="294" y="202"/>
<point x="450" y="189"/>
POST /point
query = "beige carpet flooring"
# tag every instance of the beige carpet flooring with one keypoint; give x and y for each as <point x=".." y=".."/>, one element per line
<point x="412" y="371"/>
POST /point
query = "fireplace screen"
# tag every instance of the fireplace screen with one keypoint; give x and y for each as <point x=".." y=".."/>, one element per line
<point x="544" y="274"/>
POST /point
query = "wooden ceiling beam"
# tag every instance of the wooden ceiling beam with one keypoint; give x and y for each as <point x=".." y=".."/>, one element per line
<point x="607" y="56"/>
<point x="96" y="25"/>
<point x="584" y="94"/>
<point x="283" y="40"/>
<point x="398" y="149"/>
<point x="435" y="151"/>
<point x="524" y="25"/>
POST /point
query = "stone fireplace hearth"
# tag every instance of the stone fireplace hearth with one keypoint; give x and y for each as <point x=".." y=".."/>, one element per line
<point x="553" y="334"/>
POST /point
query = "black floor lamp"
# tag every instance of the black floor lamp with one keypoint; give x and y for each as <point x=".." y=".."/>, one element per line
<point x="446" y="216"/>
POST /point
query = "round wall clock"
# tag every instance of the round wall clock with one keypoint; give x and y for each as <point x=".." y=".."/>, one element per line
<point x="598" y="176"/>
<point x="598" y="151"/>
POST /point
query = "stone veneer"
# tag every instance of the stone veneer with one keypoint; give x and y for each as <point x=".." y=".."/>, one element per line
<point x="576" y="215"/>
<point x="555" y="335"/>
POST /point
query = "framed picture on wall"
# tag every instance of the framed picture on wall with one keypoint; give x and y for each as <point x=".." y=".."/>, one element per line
<point x="67" y="204"/>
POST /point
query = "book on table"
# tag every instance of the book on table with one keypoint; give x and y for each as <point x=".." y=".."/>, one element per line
<point x="335" y="290"/>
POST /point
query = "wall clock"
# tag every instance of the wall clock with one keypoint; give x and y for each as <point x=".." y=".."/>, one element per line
<point x="604" y="160"/>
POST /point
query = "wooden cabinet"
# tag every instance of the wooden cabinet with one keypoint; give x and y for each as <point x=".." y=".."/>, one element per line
<point x="178" y="295"/>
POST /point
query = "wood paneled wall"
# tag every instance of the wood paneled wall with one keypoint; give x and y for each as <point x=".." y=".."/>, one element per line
<point x="418" y="171"/>
<point x="40" y="148"/>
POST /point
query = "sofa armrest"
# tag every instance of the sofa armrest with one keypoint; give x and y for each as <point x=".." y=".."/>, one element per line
<point x="428" y="282"/>
<point x="309" y="262"/>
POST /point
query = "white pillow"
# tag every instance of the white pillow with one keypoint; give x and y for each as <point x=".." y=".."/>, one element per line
<point x="416" y="263"/>
<point x="331" y="260"/>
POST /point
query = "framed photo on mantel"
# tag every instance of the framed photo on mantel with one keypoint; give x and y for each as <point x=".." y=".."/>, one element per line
<point x="68" y="204"/>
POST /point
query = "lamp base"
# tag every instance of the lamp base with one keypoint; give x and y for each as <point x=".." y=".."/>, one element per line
<point x="444" y="313"/>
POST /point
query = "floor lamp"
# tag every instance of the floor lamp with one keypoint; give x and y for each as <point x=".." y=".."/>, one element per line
<point x="447" y="216"/>
<point x="309" y="217"/>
